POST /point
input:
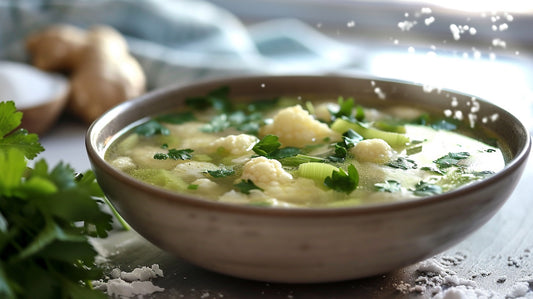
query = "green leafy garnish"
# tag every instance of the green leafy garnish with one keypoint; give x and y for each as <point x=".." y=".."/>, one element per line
<point x="403" y="163"/>
<point x="245" y="186"/>
<point x="220" y="173"/>
<point x="427" y="189"/>
<point x="175" y="154"/>
<point x="388" y="186"/>
<point x="151" y="128"/>
<point x="10" y="119"/>
<point x="349" y="139"/>
<point x="342" y="181"/>
<point x="176" y="118"/>
<point x="269" y="147"/>
<point x="451" y="159"/>
<point x="46" y="218"/>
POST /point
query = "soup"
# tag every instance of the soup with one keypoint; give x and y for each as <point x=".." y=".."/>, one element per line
<point x="303" y="152"/>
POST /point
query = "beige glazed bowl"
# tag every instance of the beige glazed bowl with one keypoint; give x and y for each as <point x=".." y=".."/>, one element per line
<point x="306" y="245"/>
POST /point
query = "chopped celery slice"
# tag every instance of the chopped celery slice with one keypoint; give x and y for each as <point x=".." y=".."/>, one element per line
<point x="393" y="139"/>
<point x="316" y="170"/>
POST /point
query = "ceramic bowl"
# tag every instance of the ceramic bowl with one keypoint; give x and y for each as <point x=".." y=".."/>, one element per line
<point x="299" y="245"/>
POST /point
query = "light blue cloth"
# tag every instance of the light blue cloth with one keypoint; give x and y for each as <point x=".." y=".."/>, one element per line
<point x="183" y="40"/>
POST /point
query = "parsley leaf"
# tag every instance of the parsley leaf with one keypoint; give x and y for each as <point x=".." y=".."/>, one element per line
<point x="245" y="186"/>
<point x="388" y="186"/>
<point x="403" y="163"/>
<point x="220" y="173"/>
<point x="151" y="128"/>
<point x="176" y="118"/>
<point x="269" y="147"/>
<point x="343" y="181"/>
<point x="451" y="159"/>
<point x="46" y="218"/>
<point x="10" y="119"/>
<point x="175" y="154"/>
<point x="427" y="189"/>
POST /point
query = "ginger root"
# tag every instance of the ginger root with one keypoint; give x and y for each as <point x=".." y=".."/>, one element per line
<point x="102" y="72"/>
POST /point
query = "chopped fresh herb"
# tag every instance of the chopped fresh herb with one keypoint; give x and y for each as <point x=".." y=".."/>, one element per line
<point x="245" y="186"/>
<point x="192" y="187"/>
<point x="220" y="173"/>
<point x="217" y="99"/>
<point x="434" y="170"/>
<point x="444" y="125"/>
<point x="413" y="150"/>
<point x="160" y="156"/>
<point x="182" y="154"/>
<point x="403" y="163"/>
<point x="345" y="108"/>
<point x="175" y="154"/>
<point x="267" y="145"/>
<point x="151" y="128"/>
<point x="388" y="186"/>
<point x="427" y="189"/>
<point x="342" y="181"/>
<point x="451" y="159"/>
<point x="46" y="218"/>
<point x="349" y="139"/>
<point x="218" y="123"/>
<point x="10" y="119"/>
<point x="359" y="113"/>
<point x="300" y="159"/>
<point x="176" y="118"/>
<point x="490" y="150"/>
<point x="164" y="146"/>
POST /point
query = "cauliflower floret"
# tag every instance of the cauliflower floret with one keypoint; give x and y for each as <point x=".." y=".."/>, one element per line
<point x="372" y="150"/>
<point x="123" y="163"/>
<point x="193" y="169"/>
<point x="237" y="145"/>
<point x="191" y="135"/>
<point x="296" y="127"/>
<point x="207" y="187"/>
<point x="144" y="157"/>
<point x="300" y="191"/>
<point x="265" y="172"/>
<point x="322" y="111"/>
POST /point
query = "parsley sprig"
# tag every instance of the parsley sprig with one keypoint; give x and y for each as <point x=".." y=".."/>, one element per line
<point x="46" y="217"/>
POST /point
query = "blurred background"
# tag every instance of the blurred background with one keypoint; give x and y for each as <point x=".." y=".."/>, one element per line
<point x="484" y="48"/>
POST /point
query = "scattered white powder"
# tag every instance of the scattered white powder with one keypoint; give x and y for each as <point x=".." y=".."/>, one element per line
<point x="406" y="25"/>
<point x="130" y="284"/>
<point x="381" y="95"/>
<point x="455" y="32"/>
<point x="499" y="43"/>
<point x="426" y="10"/>
<point x="429" y="21"/>
<point x="351" y="24"/>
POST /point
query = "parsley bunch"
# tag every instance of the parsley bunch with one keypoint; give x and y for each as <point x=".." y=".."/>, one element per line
<point x="46" y="217"/>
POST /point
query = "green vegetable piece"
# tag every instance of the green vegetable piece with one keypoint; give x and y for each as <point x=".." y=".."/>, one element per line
<point x="175" y="154"/>
<point x="182" y="154"/>
<point x="176" y="118"/>
<point x="245" y="186"/>
<point x="413" y="150"/>
<point x="451" y="159"/>
<point x="345" y="108"/>
<point x="316" y="170"/>
<point x="390" y="126"/>
<point x="220" y="173"/>
<point x="151" y="128"/>
<point x="403" y="163"/>
<point x="342" y="181"/>
<point x="388" y="186"/>
<point x="10" y="119"/>
<point x="267" y="145"/>
<point x="427" y="189"/>
<point x="393" y="139"/>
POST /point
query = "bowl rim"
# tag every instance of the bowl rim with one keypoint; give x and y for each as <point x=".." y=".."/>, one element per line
<point x="198" y="202"/>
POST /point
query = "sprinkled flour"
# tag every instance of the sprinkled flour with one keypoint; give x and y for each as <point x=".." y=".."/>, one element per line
<point x="136" y="283"/>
